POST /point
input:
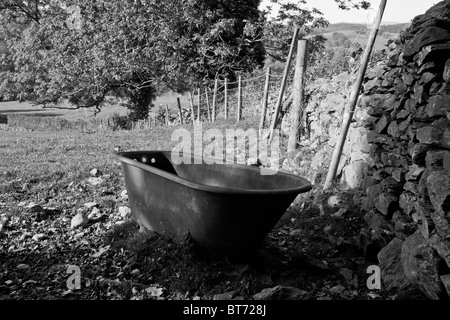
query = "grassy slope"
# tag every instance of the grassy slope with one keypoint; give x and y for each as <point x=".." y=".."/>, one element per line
<point x="25" y="108"/>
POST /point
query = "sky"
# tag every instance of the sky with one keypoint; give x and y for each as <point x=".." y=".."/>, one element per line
<point x="400" y="11"/>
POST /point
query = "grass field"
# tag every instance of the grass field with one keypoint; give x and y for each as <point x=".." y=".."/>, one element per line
<point x="72" y="114"/>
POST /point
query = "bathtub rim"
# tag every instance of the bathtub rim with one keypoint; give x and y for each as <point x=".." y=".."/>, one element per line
<point x="307" y="186"/>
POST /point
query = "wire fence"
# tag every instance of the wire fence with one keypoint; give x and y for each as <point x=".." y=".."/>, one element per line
<point x="227" y="100"/>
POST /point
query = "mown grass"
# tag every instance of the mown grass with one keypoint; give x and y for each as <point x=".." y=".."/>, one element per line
<point x="65" y="156"/>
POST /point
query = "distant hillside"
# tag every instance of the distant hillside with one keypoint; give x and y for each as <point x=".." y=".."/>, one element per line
<point x="344" y="26"/>
<point x="358" y="32"/>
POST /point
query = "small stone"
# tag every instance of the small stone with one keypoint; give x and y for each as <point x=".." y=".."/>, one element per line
<point x="23" y="266"/>
<point x="418" y="151"/>
<point x="95" y="181"/>
<point x="446" y="162"/>
<point x="438" y="186"/>
<point x="335" y="201"/>
<point x="414" y="172"/>
<point x="438" y="106"/>
<point x="224" y="296"/>
<point x="38" y="237"/>
<point x="90" y="205"/>
<point x="295" y="232"/>
<point x="446" y="74"/>
<point x="29" y="282"/>
<point x="124" y="211"/>
<point x="382" y="124"/>
<point x="349" y="276"/>
<point x="406" y="202"/>
<point x="429" y="135"/>
<point x="95" y="213"/>
<point x="386" y="203"/>
<point x="124" y="195"/>
<point x="435" y="158"/>
<point x="34" y="208"/>
<point x="95" y="173"/>
<point x="420" y="94"/>
<point x="403" y="223"/>
<point x="281" y="293"/>
<point x="432" y="51"/>
<point x="408" y="79"/>
<point x="339" y="213"/>
<point x="446" y="281"/>
<point x="427" y="66"/>
<point x="79" y="220"/>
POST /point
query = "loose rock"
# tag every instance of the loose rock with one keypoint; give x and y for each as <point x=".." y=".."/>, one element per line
<point x="124" y="211"/>
<point x="79" y="220"/>
<point x="281" y="293"/>
<point x="95" y="172"/>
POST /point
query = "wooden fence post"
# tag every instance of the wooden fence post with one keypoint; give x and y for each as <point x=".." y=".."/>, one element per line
<point x="347" y="118"/>
<point x="297" y="104"/>
<point x="207" y="105"/>
<point x="226" y="98"/>
<point x="167" y="114"/>
<point x="239" y="97"/>
<point x="265" y="99"/>
<point x="216" y="85"/>
<point x="199" y="101"/>
<point x="179" y="110"/>
<point x="283" y="84"/>
<point x="191" y="101"/>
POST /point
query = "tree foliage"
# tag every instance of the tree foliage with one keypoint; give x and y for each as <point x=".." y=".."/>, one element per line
<point x="83" y="51"/>
<point x="130" y="48"/>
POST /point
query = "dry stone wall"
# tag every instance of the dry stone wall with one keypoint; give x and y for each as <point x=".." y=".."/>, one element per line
<point x="408" y="183"/>
<point x="321" y="129"/>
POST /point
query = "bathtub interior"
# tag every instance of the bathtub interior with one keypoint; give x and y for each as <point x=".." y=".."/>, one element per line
<point x="240" y="177"/>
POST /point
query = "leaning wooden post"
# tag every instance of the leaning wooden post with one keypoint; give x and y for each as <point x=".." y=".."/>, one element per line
<point x="350" y="108"/>
<point x="226" y="98"/>
<point x="191" y="101"/>
<point x="198" y="104"/>
<point x="239" y="98"/>
<point x="179" y="110"/>
<point x="207" y="105"/>
<point x="265" y="100"/>
<point x="216" y="85"/>
<point x="297" y="104"/>
<point x="167" y="114"/>
<point x="283" y="84"/>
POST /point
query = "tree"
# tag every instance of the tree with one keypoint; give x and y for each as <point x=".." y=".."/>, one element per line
<point x="129" y="48"/>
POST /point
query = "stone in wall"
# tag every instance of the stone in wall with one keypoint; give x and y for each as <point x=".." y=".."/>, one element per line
<point x="421" y="265"/>
<point x="438" y="185"/>
<point x="392" y="274"/>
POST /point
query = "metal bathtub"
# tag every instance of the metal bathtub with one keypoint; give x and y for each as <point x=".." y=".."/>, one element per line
<point x="229" y="208"/>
